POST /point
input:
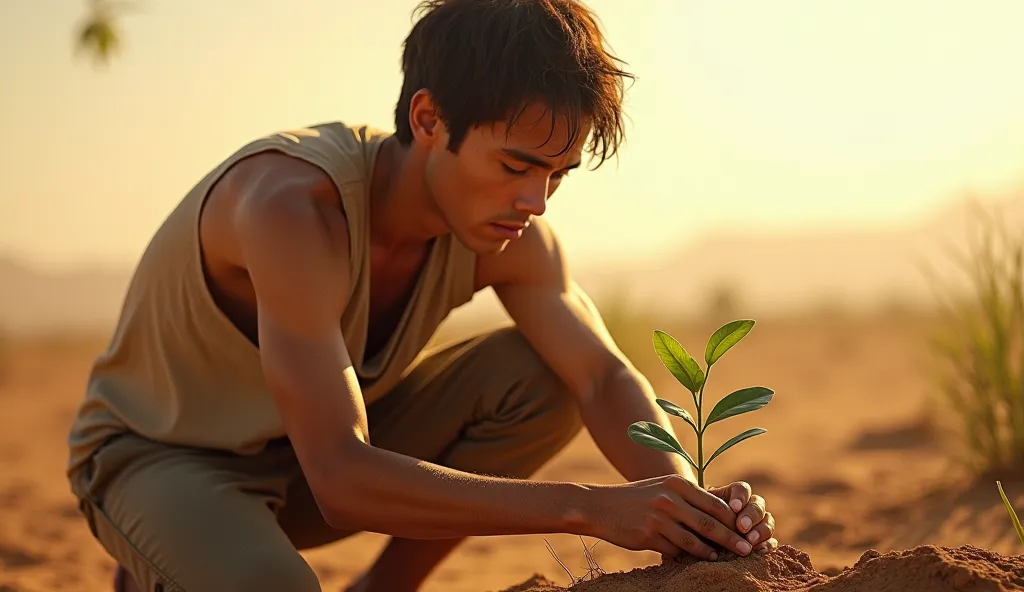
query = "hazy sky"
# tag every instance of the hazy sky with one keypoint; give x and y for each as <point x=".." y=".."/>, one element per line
<point x="778" y="115"/>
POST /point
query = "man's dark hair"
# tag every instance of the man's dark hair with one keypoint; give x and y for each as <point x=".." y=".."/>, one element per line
<point x="484" y="61"/>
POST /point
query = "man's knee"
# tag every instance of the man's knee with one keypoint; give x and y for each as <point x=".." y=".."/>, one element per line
<point x="534" y="384"/>
<point x="270" y="572"/>
<point x="568" y="422"/>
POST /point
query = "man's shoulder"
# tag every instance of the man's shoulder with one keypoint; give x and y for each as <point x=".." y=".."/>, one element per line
<point x="354" y="138"/>
<point x="344" y="151"/>
<point x="535" y="255"/>
<point x="265" y="196"/>
<point x="539" y="243"/>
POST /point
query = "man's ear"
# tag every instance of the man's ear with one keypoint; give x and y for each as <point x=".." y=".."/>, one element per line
<point x="425" y="119"/>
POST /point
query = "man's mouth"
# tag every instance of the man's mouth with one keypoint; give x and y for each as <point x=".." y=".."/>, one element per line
<point x="509" y="230"/>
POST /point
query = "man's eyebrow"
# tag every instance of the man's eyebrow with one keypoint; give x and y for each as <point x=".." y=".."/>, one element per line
<point x="534" y="160"/>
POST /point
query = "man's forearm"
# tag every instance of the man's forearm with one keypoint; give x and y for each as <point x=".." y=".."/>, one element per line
<point x="626" y="397"/>
<point x="381" y="491"/>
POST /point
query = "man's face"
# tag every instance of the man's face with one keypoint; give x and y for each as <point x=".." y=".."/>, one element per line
<point x="500" y="178"/>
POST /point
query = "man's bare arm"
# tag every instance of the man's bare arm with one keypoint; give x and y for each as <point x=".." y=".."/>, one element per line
<point x="563" y="325"/>
<point x="294" y="242"/>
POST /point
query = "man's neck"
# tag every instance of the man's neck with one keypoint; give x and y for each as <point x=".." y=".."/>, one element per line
<point x="402" y="214"/>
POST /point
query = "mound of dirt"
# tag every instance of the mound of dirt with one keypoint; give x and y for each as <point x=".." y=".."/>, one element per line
<point x="922" y="569"/>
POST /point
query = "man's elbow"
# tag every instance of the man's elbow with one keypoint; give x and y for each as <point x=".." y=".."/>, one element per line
<point x="338" y="486"/>
<point x="609" y="377"/>
<point x="339" y="518"/>
<point x="619" y="376"/>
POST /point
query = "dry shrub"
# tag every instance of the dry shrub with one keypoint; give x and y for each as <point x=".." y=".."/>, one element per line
<point x="594" y="569"/>
<point x="979" y="344"/>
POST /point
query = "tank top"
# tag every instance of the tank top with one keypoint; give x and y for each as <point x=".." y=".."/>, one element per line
<point x="177" y="370"/>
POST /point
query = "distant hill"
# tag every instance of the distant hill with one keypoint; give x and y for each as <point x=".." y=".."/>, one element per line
<point x="84" y="301"/>
<point x="788" y="273"/>
<point x="769" y="274"/>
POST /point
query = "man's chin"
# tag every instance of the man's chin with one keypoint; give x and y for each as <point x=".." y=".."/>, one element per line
<point x="482" y="243"/>
<point x="489" y="247"/>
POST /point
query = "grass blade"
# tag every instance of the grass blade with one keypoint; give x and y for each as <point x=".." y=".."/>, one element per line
<point x="572" y="578"/>
<point x="1013" y="515"/>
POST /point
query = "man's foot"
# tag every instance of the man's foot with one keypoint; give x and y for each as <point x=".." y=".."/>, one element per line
<point x="123" y="581"/>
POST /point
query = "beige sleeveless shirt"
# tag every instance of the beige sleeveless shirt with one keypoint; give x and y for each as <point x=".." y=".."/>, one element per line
<point x="178" y="371"/>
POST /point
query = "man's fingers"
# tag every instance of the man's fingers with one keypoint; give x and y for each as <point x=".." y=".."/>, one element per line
<point x="678" y="509"/>
<point x="703" y="500"/>
<point x="665" y="547"/>
<point x="687" y="541"/>
<point x="706" y="526"/>
<point x="752" y="514"/>
<point x="737" y="495"/>
<point x="763" y="531"/>
<point x="766" y="545"/>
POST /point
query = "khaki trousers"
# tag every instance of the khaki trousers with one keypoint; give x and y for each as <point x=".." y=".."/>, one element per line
<point x="197" y="520"/>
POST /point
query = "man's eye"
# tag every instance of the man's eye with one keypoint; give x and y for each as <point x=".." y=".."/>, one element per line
<point x="512" y="171"/>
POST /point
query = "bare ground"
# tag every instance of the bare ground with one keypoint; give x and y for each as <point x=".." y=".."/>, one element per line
<point x="850" y="463"/>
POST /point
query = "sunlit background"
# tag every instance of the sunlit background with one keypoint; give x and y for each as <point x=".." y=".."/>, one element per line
<point x="782" y="158"/>
<point x="778" y="121"/>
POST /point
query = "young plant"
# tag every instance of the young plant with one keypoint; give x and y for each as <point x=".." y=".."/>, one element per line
<point x="1013" y="515"/>
<point x="689" y="373"/>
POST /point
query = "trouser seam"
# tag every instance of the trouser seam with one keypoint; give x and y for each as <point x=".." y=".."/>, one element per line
<point x="171" y="584"/>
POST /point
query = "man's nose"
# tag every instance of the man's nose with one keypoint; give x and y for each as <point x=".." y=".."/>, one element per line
<point x="534" y="200"/>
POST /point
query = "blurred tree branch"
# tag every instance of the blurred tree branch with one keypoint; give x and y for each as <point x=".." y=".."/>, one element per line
<point x="99" y="34"/>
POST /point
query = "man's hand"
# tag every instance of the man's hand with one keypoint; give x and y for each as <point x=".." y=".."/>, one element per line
<point x="670" y="515"/>
<point x="751" y="517"/>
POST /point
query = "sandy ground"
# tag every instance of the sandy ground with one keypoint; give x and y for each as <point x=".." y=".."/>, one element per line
<point x="849" y="463"/>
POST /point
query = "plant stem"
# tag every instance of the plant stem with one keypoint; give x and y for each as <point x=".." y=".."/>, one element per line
<point x="700" y="430"/>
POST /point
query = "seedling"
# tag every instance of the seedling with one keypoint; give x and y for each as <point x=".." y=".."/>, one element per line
<point x="1013" y="515"/>
<point x="688" y="372"/>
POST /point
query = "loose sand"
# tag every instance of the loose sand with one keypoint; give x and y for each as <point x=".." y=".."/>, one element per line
<point x="923" y="569"/>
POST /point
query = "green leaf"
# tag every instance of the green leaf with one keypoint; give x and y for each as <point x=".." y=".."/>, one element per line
<point x="724" y="338"/>
<point x="673" y="409"/>
<point x="734" y="441"/>
<point x="742" y="401"/>
<point x="679" y="362"/>
<point x="1013" y="515"/>
<point x="654" y="436"/>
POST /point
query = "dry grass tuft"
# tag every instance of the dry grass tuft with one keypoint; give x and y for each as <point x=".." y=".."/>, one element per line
<point x="593" y="568"/>
<point x="979" y="346"/>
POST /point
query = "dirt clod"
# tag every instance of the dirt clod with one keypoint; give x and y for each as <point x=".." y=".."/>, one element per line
<point x="922" y="569"/>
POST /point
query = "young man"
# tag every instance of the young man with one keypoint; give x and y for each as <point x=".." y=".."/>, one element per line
<point x="267" y="389"/>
